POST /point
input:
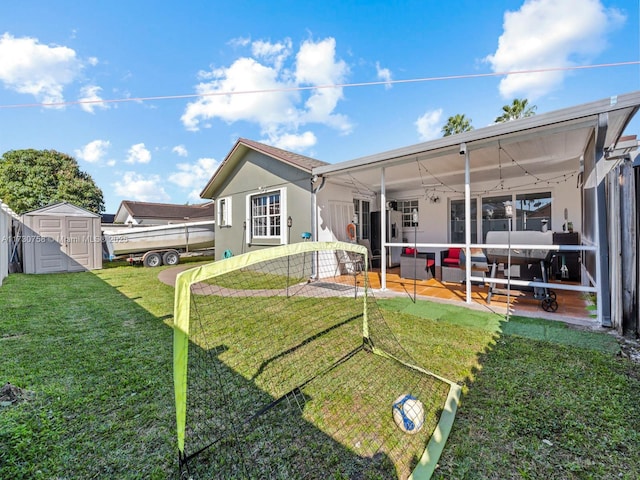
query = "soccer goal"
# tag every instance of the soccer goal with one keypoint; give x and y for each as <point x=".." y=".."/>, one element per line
<point x="284" y="367"/>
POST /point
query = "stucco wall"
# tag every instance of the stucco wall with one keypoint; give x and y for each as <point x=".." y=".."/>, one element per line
<point x="254" y="174"/>
<point x="434" y="217"/>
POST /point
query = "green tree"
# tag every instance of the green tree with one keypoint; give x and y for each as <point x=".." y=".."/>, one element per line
<point x="456" y="124"/>
<point x="31" y="179"/>
<point x="519" y="108"/>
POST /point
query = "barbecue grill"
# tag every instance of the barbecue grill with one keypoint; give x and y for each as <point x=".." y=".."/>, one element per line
<point x="523" y="256"/>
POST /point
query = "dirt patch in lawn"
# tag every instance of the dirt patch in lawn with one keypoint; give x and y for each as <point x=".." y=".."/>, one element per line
<point x="10" y="394"/>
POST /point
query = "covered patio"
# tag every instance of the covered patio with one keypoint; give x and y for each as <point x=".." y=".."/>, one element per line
<point x="573" y="307"/>
<point x="552" y="168"/>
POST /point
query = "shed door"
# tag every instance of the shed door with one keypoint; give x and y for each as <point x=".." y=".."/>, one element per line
<point x="63" y="244"/>
<point x="79" y="244"/>
<point x="49" y="245"/>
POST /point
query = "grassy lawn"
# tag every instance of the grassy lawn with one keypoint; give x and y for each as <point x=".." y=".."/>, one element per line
<point x="93" y="355"/>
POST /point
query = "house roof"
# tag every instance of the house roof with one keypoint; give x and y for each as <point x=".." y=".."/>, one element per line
<point x="541" y="147"/>
<point x="240" y="149"/>
<point x="162" y="211"/>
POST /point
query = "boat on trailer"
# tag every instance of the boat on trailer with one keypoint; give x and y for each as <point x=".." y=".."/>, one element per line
<point x="158" y="244"/>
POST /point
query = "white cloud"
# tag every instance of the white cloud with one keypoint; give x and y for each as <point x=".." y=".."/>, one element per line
<point x="138" y="153"/>
<point x="294" y="142"/>
<point x="180" y="150"/>
<point x="273" y="53"/>
<point x="239" y="41"/>
<point x="90" y="93"/>
<point x="316" y="65"/>
<point x="94" y="151"/>
<point x="134" y="186"/>
<point x="30" y="67"/>
<point x="428" y="125"/>
<point x="194" y="176"/>
<point x="549" y="33"/>
<point x="278" y="107"/>
<point x="384" y="74"/>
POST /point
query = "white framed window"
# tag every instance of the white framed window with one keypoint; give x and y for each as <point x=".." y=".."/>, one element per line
<point x="266" y="214"/>
<point x="223" y="209"/>
<point x="407" y="207"/>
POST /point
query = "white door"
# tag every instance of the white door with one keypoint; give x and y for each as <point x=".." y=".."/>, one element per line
<point x="50" y="255"/>
<point x="78" y="244"/>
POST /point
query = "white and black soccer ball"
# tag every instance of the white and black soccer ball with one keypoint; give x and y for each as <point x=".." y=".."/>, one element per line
<point x="408" y="413"/>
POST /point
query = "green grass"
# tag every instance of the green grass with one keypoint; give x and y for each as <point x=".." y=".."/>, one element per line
<point x="541" y="400"/>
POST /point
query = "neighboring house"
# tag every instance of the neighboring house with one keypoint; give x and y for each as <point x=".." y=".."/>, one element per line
<point x="107" y="218"/>
<point x="147" y="213"/>
<point x="258" y="190"/>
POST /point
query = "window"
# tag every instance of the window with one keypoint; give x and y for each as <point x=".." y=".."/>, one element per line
<point x="224" y="212"/>
<point x="494" y="214"/>
<point x="265" y="215"/>
<point x="532" y="209"/>
<point x="362" y="211"/>
<point x="457" y="219"/>
<point x="407" y="207"/>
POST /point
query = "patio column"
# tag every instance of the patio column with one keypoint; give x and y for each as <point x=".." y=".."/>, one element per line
<point x="600" y="219"/>
<point x="383" y="232"/>
<point x="467" y="219"/>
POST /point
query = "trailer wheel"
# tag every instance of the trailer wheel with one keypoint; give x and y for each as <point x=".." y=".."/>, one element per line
<point x="152" y="260"/>
<point x="171" y="257"/>
<point x="549" y="305"/>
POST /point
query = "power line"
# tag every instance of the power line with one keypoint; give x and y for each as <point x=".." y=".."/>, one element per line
<point x="317" y="87"/>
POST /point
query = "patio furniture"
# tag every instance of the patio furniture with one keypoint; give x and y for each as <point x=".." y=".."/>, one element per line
<point x="417" y="265"/>
<point x="450" y="265"/>
<point x="349" y="263"/>
<point x="373" y="256"/>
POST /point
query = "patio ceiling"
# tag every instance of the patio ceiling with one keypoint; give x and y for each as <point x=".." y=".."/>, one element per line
<point x="538" y="150"/>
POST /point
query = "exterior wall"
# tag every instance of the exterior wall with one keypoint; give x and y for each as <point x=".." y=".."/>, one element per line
<point x="254" y="174"/>
<point x="433" y="218"/>
<point x="334" y="211"/>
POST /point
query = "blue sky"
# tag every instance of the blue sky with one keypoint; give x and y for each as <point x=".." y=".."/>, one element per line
<point x="58" y="60"/>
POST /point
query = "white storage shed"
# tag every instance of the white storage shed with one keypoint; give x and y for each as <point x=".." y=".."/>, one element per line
<point x="61" y="238"/>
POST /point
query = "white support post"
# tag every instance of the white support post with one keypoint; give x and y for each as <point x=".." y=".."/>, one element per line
<point x="383" y="232"/>
<point x="467" y="219"/>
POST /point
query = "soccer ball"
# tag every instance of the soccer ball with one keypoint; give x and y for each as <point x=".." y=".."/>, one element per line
<point x="408" y="413"/>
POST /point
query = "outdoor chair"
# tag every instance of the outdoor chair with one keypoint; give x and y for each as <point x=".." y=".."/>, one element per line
<point x="348" y="262"/>
<point x="373" y="256"/>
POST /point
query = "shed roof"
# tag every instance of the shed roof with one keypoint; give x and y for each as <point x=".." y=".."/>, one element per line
<point x="240" y="149"/>
<point x="62" y="209"/>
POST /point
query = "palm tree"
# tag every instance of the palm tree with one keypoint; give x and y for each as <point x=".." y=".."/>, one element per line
<point x="519" y="108"/>
<point x="456" y="124"/>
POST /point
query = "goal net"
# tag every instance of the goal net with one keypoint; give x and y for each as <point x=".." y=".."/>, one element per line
<point x="284" y="367"/>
